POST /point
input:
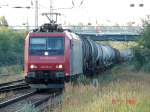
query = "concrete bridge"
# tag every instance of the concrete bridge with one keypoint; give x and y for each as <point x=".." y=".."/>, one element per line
<point x="105" y="33"/>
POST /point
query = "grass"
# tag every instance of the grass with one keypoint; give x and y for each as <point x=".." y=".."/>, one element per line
<point x="13" y="69"/>
<point x="28" y="108"/>
<point x="10" y="73"/>
<point x="120" y="90"/>
<point x="8" y="78"/>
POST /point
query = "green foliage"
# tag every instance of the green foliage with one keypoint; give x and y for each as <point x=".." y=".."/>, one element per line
<point x="146" y="67"/>
<point x="119" y="44"/>
<point x="11" y="47"/>
<point x="29" y="108"/>
<point x="145" y="40"/>
<point x="4" y="29"/>
<point x="3" y="21"/>
<point x="142" y="51"/>
<point x="141" y="60"/>
<point x="14" y="69"/>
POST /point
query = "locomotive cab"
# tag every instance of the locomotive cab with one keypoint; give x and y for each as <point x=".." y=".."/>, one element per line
<point x="46" y="59"/>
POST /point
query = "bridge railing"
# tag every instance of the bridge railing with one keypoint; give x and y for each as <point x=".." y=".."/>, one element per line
<point x="105" y="29"/>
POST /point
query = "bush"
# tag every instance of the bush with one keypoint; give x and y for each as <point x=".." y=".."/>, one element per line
<point x="11" y="47"/>
<point x="14" y="69"/>
<point x="29" y="108"/>
<point x="141" y="58"/>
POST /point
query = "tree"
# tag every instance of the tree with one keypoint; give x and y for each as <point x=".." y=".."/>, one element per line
<point x="3" y="21"/>
<point x="142" y="51"/>
<point x="145" y="40"/>
<point x="11" y="47"/>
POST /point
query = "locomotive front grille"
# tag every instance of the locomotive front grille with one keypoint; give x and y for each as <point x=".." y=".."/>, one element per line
<point x="46" y="74"/>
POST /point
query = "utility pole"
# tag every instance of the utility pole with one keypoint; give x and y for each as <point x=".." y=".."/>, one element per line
<point x="36" y="13"/>
<point x="51" y="9"/>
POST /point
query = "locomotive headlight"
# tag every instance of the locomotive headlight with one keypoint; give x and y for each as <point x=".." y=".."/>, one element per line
<point x="59" y="66"/>
<point x="33" y="66"/>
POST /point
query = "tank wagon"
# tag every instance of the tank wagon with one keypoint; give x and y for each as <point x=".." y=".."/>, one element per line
<point x="126" y="54"/>
<point x="97" y="57"/>
<point x="52" y="56"/>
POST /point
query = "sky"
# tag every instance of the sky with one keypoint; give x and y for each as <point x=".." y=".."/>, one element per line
<point x="101" y="12"/>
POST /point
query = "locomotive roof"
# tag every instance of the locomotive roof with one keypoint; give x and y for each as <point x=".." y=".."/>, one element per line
<point x="49" y="27"/>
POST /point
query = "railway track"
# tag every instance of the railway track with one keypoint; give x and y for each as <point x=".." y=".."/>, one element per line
<point x="8" y="102"/>
<point x="36" y="99"/>
<point x="14" y="85"/>
<point x="7" y="83"/>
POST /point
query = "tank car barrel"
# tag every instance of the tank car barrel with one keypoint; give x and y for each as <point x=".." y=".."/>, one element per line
<point x="126" y="54"/>
<point x="96" y="56"/>
<point x="90" y="54"/>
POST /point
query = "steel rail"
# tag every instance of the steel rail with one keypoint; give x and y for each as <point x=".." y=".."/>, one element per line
<point x="40" y="102"/>
<point x="7" y="83"/>
<point x="11" y="101"/>
<point x="14" y="87"/>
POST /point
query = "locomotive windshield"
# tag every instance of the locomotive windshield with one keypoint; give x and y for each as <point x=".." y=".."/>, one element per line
<point x="51" y="45"/>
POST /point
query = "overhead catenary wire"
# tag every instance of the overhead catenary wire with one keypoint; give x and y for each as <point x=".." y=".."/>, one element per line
<point x="80" y="3"/>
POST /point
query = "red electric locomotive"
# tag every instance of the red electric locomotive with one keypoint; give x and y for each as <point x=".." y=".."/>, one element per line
<point x="52" y="56"/>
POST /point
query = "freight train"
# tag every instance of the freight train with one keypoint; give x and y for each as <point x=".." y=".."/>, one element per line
<point x="52" y="56"/>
